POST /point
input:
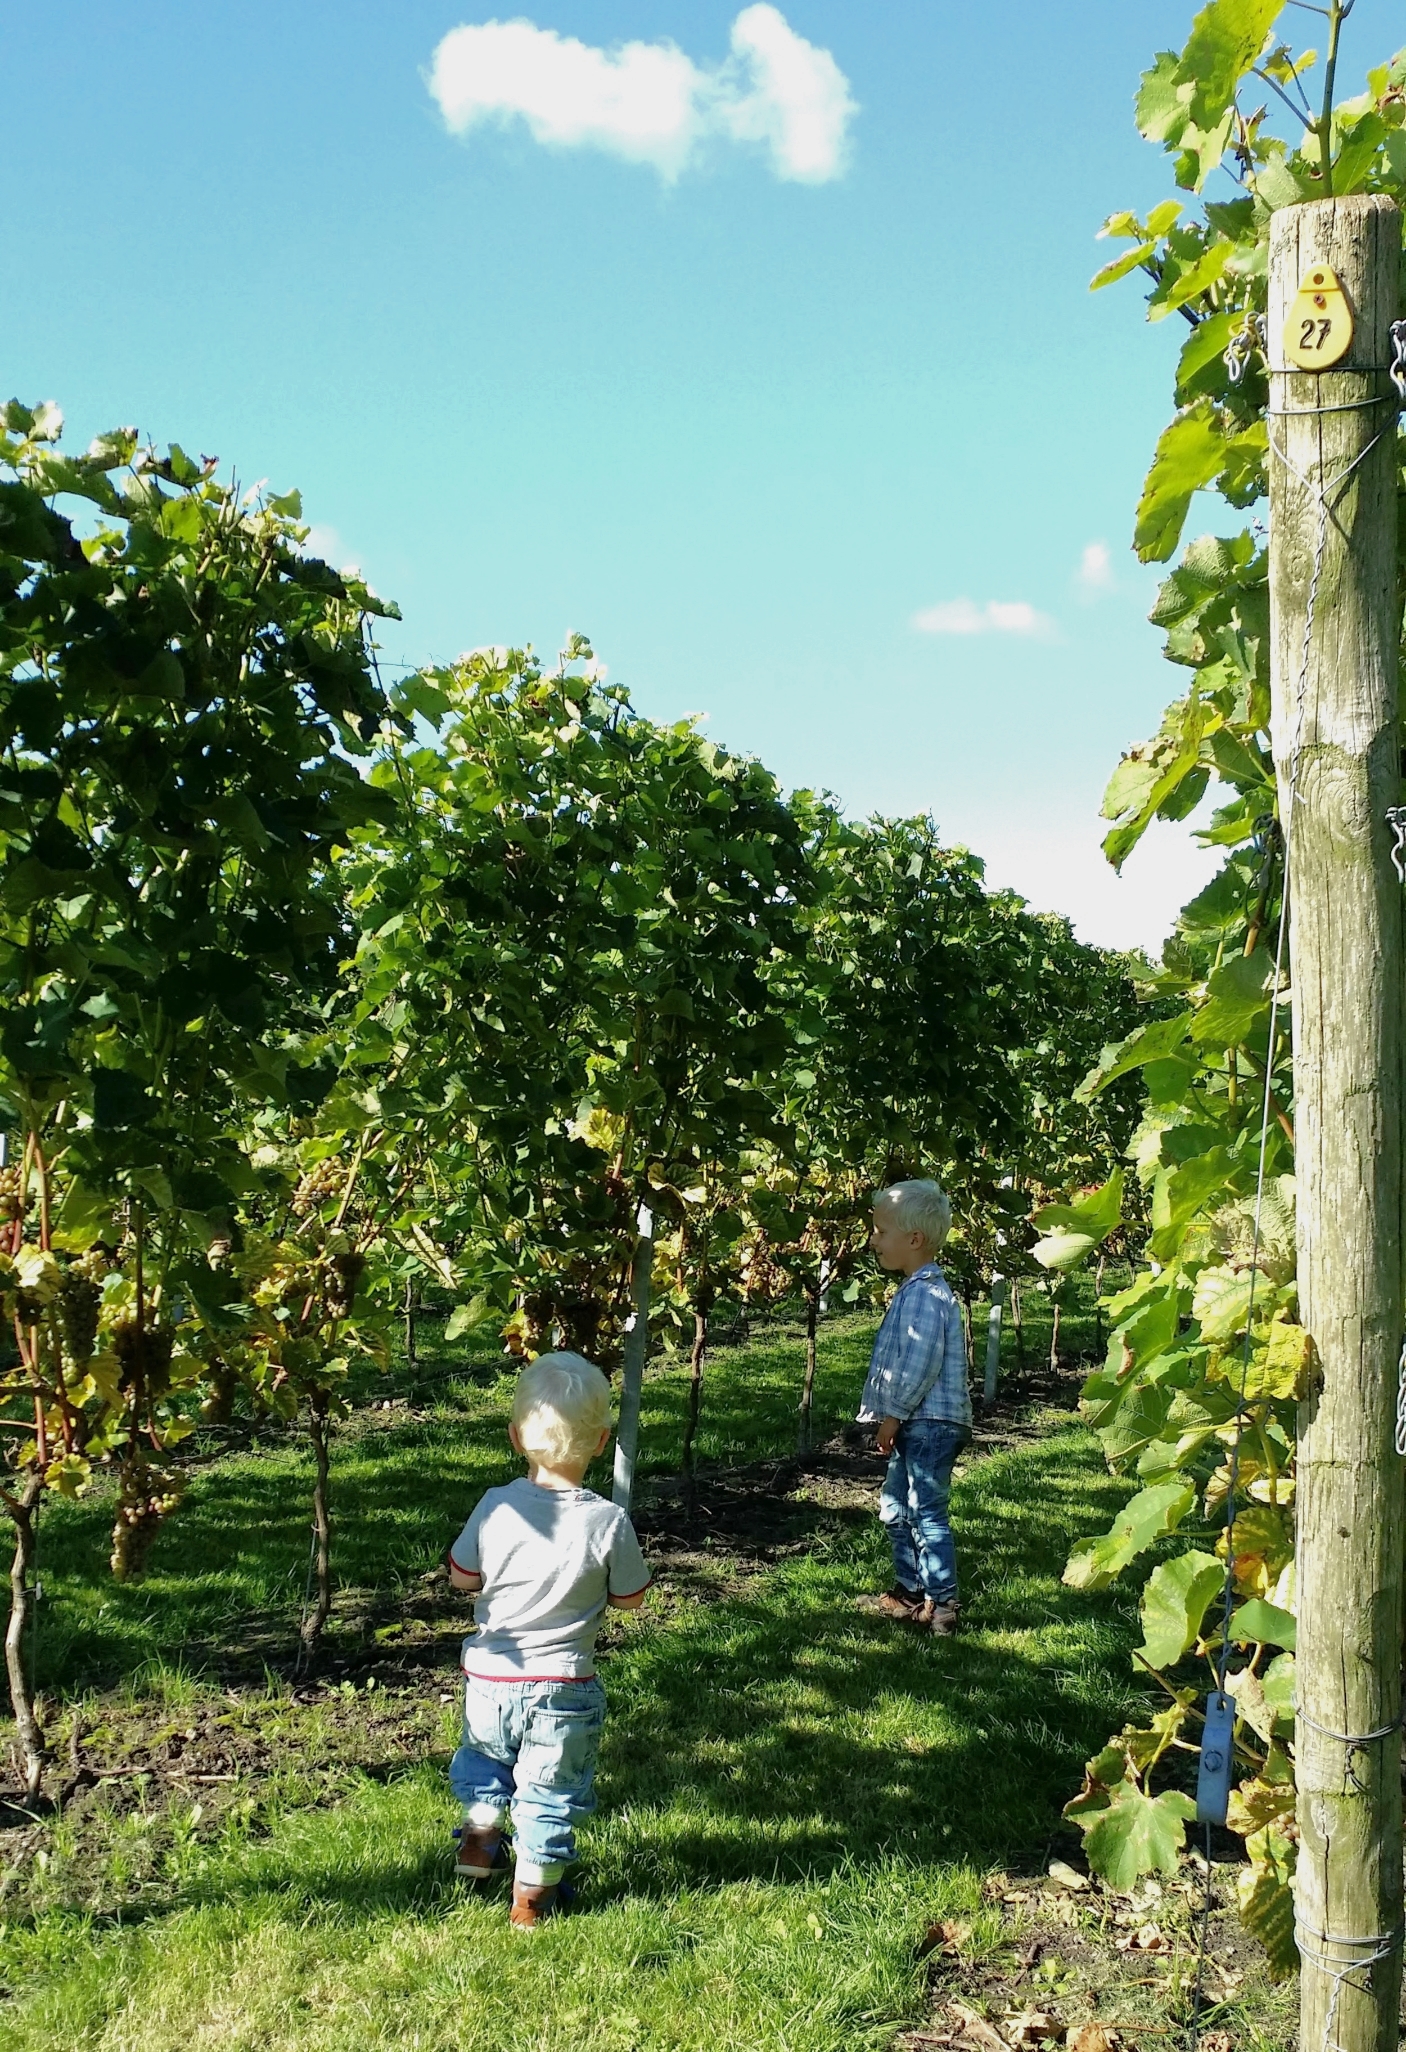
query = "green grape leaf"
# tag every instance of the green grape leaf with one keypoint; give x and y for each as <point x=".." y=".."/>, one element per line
<point x="1221" y="1302"/>
<point x="1152" y="1513"/>
<point x="1236" y="1001"/>
<point x="1266" y="1894"/>
<point x="1121" y="266"/>
<point x="1263" y="1623"/>
<point x="1072" y="1231"/>
<point x="464" y="1317"/>
<point x="1280" y="1689"/>
<point x="1190" y="455"/>
<point x="1135" y="1834"/>
<point x="1197" y="278"/>
<point x="1173" y="1605"/>
<point x="1258" y="1803"/>
<point x="1179" y="1193"/>
<point x="1148" y="1044"/>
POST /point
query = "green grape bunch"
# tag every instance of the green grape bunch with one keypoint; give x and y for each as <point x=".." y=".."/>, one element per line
<point x="80" y="1296"/>
<point x="316" y="1187"/>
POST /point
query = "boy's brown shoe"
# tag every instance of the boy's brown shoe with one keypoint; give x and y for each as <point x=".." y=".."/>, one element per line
<point x="482" y="1852"/>
<point x="901" y="1603"/>
<point x="938" y="1618"/>
<point x="534" y="1902"/>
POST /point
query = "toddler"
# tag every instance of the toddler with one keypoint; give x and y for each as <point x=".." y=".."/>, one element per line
<point x="544" y="1558"/>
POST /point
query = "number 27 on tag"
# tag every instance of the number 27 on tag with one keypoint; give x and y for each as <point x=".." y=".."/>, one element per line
<point x="1318" y="331"/>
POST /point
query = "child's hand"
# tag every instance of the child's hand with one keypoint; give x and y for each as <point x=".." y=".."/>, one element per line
<point x="886" y="1434"/>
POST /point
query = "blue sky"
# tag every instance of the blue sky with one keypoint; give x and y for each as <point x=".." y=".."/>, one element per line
<point x="739" y="413"/>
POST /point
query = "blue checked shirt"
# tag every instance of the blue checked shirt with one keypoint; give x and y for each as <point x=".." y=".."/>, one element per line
<point x="919" y="1364"/>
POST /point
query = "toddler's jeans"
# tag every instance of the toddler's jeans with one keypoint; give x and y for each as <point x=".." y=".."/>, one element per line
<point x="530" y="1747"/>
<point x="913" y="1506"/>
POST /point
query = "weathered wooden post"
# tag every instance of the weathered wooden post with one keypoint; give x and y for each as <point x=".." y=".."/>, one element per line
<point x="1335" y="624"/>
<point x="627" y="1425"/>
<point x="993" y="1339"/>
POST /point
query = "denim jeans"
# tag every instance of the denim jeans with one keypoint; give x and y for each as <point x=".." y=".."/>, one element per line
<point x="913" y="1506"/>
<point x="530" y="1746"/>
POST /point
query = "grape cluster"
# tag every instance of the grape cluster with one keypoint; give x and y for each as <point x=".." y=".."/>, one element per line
<point x="11" y="1195"/>
<point x="149" y="1494"/>
<point x="143" y="1357"/>
<point x="347" y="1271"/>
<point x="79" y="1299"/>
<point x="316" y="1186"/>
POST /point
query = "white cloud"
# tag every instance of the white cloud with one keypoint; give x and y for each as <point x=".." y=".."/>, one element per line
<point x="798" y="102"/>
<point x="327" y="545"/>
<point x="997" y="616"/>
<point x="1095" y="572"/>
<point x="1057" y="865"/>
<point x="649" y="102"/>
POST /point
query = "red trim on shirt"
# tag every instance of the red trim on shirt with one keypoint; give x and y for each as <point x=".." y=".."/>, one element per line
<point x="478" y="1572"/>
<point x="628" y="1595"/>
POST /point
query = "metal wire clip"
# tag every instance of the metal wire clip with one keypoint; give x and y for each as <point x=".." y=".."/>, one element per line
<point x="1396" y="820"/>
<point x="1252" y="336"/>
<point x="1396" y="369"/>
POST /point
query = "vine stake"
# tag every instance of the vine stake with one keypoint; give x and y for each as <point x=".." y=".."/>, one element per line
<point x="1335" y="618"/>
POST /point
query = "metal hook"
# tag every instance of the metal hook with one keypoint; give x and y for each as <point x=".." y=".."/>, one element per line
<point x="1396" y="820"/>
<point x="1396" y="369"/>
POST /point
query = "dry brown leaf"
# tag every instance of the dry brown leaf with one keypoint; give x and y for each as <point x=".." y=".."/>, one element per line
<point x="1090" y="2037"/>
<point x="1066" y="1876"/>
<point x="977" y="2029"/>
<point x="1216" y="2041"/>
<point x="1059" y="1907"/>
<point x="1146" y="1938"/>
<point x="1030" y="2027"/>
<point x="944" y="1937"/>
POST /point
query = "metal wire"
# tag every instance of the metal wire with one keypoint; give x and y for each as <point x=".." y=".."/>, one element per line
<point x="1382" y="1943"/>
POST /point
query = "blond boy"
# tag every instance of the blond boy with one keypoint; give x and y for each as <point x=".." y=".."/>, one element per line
<point x="544" y="1558"/>
<point x="917" y="1399"/>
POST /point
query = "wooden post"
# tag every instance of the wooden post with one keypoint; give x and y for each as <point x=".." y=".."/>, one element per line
<point x="1336" y="749"/>
<point x="993" y="1339"/>
<point x="627" y="1428"/>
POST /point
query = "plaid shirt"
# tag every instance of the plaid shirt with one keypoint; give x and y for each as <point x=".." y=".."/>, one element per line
<point x="919" y="1364"/>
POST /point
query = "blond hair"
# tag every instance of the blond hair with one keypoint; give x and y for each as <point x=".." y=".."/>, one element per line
<point x="919" y="1206"/>
<point x="560" y="1408"/>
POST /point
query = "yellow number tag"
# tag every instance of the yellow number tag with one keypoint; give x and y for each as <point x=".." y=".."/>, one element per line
<point x="1319" y="328"/>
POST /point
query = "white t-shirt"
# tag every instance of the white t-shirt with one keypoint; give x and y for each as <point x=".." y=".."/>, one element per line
<point x="549" y="1558"/>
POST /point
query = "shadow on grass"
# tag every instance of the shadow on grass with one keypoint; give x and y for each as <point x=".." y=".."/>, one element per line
<point x="786" y="1733"/>
<point x="227" y="1573"/>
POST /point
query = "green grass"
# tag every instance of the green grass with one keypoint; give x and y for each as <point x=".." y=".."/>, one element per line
<point x="230" y="1567"/>
<point x="792" y="1790"/>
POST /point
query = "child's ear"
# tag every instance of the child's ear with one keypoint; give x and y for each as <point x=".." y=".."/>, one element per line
<point x="516" y="1442"/>
<point x="602" y="1442"/>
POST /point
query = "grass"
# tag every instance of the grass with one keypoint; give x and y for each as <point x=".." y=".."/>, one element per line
<point x="229" y="1569"/>
<point x="792" y="1790"/>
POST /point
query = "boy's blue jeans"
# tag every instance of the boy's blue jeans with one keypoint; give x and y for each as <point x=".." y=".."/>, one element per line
<point x="530" y="1746"/>
<point x="913" y="1506"/>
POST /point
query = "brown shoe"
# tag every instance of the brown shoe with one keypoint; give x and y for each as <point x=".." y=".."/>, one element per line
<point x="904" y="1604"/>
<point x="534" y="1902"/>
<point x="481" y="1853"/>
<point x="938" y="1618"/>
